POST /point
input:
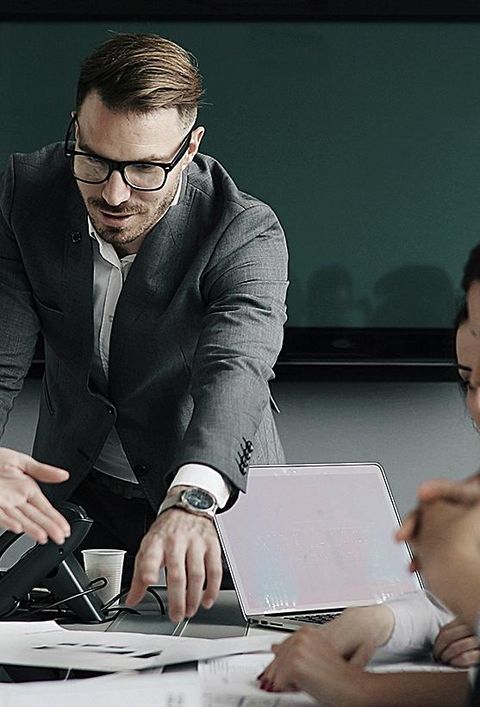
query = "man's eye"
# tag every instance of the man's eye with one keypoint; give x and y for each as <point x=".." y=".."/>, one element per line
<point x="144" y="167"/>
<point x="93" y="160"/>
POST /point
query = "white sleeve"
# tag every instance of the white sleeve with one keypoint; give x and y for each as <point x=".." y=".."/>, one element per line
<point x="419" y="617"/>
<point x="203" y="477"/>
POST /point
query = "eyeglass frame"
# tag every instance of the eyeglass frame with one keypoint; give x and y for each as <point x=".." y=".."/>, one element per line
<point x="114" y="166"/>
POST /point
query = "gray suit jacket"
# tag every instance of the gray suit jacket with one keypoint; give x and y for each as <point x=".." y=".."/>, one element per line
<point x="196" y="332"/>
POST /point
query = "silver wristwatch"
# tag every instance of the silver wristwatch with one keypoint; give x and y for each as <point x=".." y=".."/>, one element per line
<point x="193" y="500"/>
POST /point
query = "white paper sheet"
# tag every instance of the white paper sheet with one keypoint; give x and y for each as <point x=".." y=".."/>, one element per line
<point x="412" y="667"/>
<point x="232" y="682"/>
<point x="232" y="669"/>
<point x="52" y="646"/>
<point x="7" y="628"/>
<point x="120" y="691"/>
<point x="240" y="697"/>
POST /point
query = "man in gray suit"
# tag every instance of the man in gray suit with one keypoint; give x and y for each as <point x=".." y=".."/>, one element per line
<point x="159" y="288"/>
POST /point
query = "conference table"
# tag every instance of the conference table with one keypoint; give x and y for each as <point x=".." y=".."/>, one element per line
<point x="223" y="620"/>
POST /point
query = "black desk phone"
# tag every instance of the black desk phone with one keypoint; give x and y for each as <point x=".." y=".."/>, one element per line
<point x="52" y="566"/>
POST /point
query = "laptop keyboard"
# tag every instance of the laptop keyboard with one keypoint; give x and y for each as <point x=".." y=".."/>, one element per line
<point x="314" y="618"/>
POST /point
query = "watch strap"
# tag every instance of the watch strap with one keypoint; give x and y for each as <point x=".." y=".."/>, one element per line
<point x="170" y="501"/>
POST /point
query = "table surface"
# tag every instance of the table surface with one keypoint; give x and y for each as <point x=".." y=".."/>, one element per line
<point x="223" y="620"/>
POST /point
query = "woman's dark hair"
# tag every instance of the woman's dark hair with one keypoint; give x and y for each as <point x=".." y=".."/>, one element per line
<point x="471" y="274"/>
<point x="471" y="271"/>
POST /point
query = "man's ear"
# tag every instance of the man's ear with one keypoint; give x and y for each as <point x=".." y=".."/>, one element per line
<point x="73" y="114"/>
<point x="193" y="147"/>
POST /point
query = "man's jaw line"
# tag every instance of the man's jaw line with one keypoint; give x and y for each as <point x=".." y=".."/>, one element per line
<point x="118" y="226"/>
<point x="112" y="220"/>
<point x="114" y="233"/>
<point x="125" y="241"/>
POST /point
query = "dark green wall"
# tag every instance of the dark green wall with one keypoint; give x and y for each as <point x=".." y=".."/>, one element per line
<point x="364" y="137"/>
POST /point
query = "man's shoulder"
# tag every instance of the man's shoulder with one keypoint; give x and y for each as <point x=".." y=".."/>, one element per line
<point x="40" y="179"/>
<point x="48" y="159"/>
<point x="36" y="176"/>
<point x="213" y="183"/>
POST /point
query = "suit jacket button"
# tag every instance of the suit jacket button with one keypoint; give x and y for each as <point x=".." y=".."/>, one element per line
<point x="110" y="410"/>
<point x="140" y="470"/>
<point x="76" y="237"/>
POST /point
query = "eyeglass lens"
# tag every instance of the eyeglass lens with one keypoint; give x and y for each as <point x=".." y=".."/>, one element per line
<point x="93" y="169"/>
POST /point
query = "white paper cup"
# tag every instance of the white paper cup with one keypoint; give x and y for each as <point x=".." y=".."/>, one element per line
<point x="101" y="562"/>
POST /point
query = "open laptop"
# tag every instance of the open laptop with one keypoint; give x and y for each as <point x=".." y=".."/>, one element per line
<point x="307" y="541"/>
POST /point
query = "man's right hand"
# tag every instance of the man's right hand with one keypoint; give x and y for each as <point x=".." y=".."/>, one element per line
<point x="23" y="506"/>
<point x="188" y="547"/>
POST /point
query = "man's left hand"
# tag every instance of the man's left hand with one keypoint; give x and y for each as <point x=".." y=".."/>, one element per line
<point x="187" y="546"/>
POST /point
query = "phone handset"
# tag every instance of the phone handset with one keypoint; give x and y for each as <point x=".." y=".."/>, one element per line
<point x="52" y="565"/>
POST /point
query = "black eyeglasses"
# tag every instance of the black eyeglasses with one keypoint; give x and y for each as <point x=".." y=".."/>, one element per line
<point x="144" y="176"/>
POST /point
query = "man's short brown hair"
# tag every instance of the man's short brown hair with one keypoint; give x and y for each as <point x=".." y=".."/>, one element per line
<point x="141" y="73"/>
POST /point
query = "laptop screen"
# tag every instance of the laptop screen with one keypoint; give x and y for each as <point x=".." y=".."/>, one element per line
<point x="314" y="537"/>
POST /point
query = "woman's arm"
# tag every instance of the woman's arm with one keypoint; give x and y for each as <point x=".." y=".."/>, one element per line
<point x="308" y="661"/>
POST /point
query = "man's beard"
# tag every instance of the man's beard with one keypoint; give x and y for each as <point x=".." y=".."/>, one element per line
<point x="145" y="218"/>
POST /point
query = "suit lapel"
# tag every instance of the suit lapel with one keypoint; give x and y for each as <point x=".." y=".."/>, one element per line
<point x="151" y="277"/>
<point x="78" y="281"/>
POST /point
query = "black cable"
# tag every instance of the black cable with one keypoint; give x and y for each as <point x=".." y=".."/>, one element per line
<point x="108" y="606"/>
<point x="12" y="611"/>
<point x="92" y="587"/>
<point x="111" y="601"/>
<point x="159" y="599"/>
<point x="70" y="598"/>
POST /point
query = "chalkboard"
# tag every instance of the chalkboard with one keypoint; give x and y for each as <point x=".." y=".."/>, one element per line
<point x="364" y="137"/>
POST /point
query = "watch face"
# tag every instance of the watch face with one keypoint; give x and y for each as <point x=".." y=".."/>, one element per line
<point x="198" y="499"/>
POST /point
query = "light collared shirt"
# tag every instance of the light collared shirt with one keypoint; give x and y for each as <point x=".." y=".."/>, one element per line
<point x="419" y="616"/>
<point x="109" y="274"/>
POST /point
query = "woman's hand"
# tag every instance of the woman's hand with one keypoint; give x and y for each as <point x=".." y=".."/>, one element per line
<point x="455" y="645"/>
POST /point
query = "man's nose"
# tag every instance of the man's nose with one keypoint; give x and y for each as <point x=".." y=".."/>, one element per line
<point x="115" y="190"/>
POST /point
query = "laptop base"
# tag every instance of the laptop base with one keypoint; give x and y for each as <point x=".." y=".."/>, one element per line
<point x="293" y="622"/>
